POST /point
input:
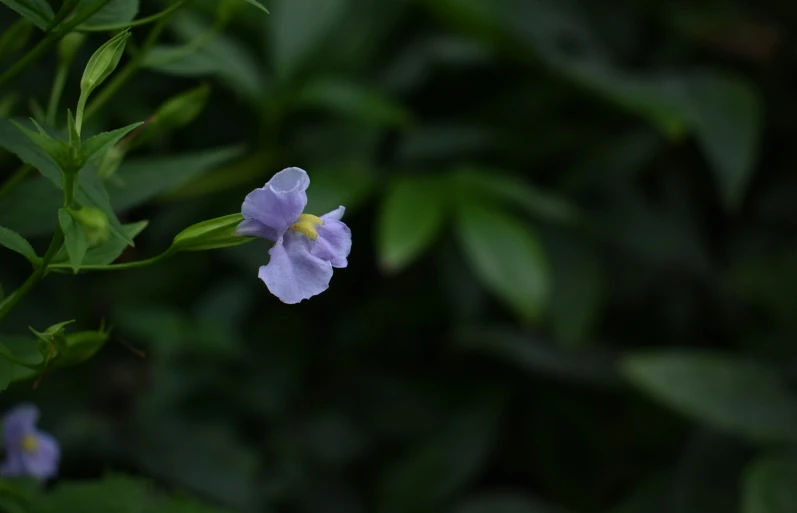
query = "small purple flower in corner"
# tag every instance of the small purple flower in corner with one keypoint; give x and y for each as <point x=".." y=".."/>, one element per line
<point x="29" y="452"/>
<point x="306" y="247"/>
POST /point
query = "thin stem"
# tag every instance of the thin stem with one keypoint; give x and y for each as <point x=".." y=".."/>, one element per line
<point x="113" y="267"/>
<point x="15" y="179"/>
<point x="49" y="40"/>
<point x="55" y="95"/>
<point x="68" y="182"/>
<point x="121" y="78"/>
<point x="137" y="23"/>
<point x="12" y="300"/>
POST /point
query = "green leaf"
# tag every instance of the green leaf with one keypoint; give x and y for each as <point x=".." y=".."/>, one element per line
<point x="412" y="216"/>
<point x="74" y="239"/>
<point x="116" y="494"/>
<point x="13" y="39"/>
<point x="100" y="143"/>
<point x="257" y="4"/>
<point x="726" y="114"/>
<point x="578" y="287"/>
<point x="38" y="12"/>
<point x="143" y="179"/>
<point x="15" y="242"/>
<point x="6" y="370"/>
<point x="728" y="393"/>
<point x="539" y="357"/>
<point x="299" y="28"/>
<point x="425" y="476"/>
<point x="211" y="234"/>
<point x="90" y="190"/>
<point x="352" y="100"/>
<point x="115" y="12"/>
<point x="770" y="486"/>
<point x="31" y="210"/>
<point x="491" y="184"/>
<point x="108" y="252"/>
<point x="208" y="53"/>
<point x="503" y="502"/>
<point x="506" y="256"/>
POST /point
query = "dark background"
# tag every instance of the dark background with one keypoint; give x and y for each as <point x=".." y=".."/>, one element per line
<point x="572" y="282"/>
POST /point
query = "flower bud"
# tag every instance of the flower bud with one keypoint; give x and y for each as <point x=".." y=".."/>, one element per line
<point x="183" y="108"/>
<point x="103" y="62"/>
<point x="210" y="234"/>
<point x="94" y="223"/>
<point x="110" y="162"/>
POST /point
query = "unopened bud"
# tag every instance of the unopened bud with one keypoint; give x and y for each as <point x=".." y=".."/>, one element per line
<point x="183" y="108"/>
<point x="103" y="62"/>
<point x="110" y="162"/>
<point x="94" y="223"/>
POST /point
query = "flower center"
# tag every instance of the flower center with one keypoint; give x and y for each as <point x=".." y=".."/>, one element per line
<point x="306" y="225"/>
<point x="30" y="443"/>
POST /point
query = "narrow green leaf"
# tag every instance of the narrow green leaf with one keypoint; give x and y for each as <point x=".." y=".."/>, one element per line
<point x="728" y="393"/>
<point x="501" y="186"/>
<point x="354" y="101"/>
<point x="90" y="190"/>
<point x="14" y="38"/>
<point x="74" y="239"/>
<point x="15" y="242"/>
<point x="412" y="216"/>
<point x="6" y="370"/>
<point x="100" y="143"/>
<point x="108" y="252"/>
<point x="726" y="113"/>
<point x="115" y="12"/>
<point x="507" y="257"/>
<point x="38" y="12"/>
<point x="299" y="28"/>
<point x="425" y="476"/>
<point x="770" y="486"/>
<point x="257" y="4"/>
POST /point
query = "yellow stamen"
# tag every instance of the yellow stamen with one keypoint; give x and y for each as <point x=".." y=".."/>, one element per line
<point x="30" y="443"/>
<point x="306" y="225"/>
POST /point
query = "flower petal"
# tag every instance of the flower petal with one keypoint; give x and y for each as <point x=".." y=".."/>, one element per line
<point x="334" y="239"/>
<point x="278" y="204"/>
<point x="293" y="273"/>
<point x="18" y="422"/>
<point x="14" y="465"/>
<point x="43" y="463"/>
<point x="254" y="228"/>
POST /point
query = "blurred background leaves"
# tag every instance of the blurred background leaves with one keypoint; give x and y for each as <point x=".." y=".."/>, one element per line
<point x="571" y="284"/>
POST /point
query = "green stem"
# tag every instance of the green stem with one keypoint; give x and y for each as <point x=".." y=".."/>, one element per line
<point x="137" y="23"/>
<point x="112" y="267"/>
<point x="68" y="182"/>
<point x="15" y="179"/>
<point x="56" y="92"/>
<point x="121" y="78"/>
<point x="38" y="51"/>
<point x="12" y="300"/>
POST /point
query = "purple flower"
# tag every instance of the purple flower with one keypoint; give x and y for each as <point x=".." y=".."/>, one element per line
<point x="29" y="452"/>
<point x="306" y="247"/>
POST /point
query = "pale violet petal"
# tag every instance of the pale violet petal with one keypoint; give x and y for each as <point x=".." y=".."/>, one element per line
<point x="43" y="462"/>
<point x="18" y="422"/>
<point x="254" y="228"/>
<point x="293" y="273"/>
<point x="336" y="214"/>
<point x="279" y="203"/>
<point x="334" y="239"/>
